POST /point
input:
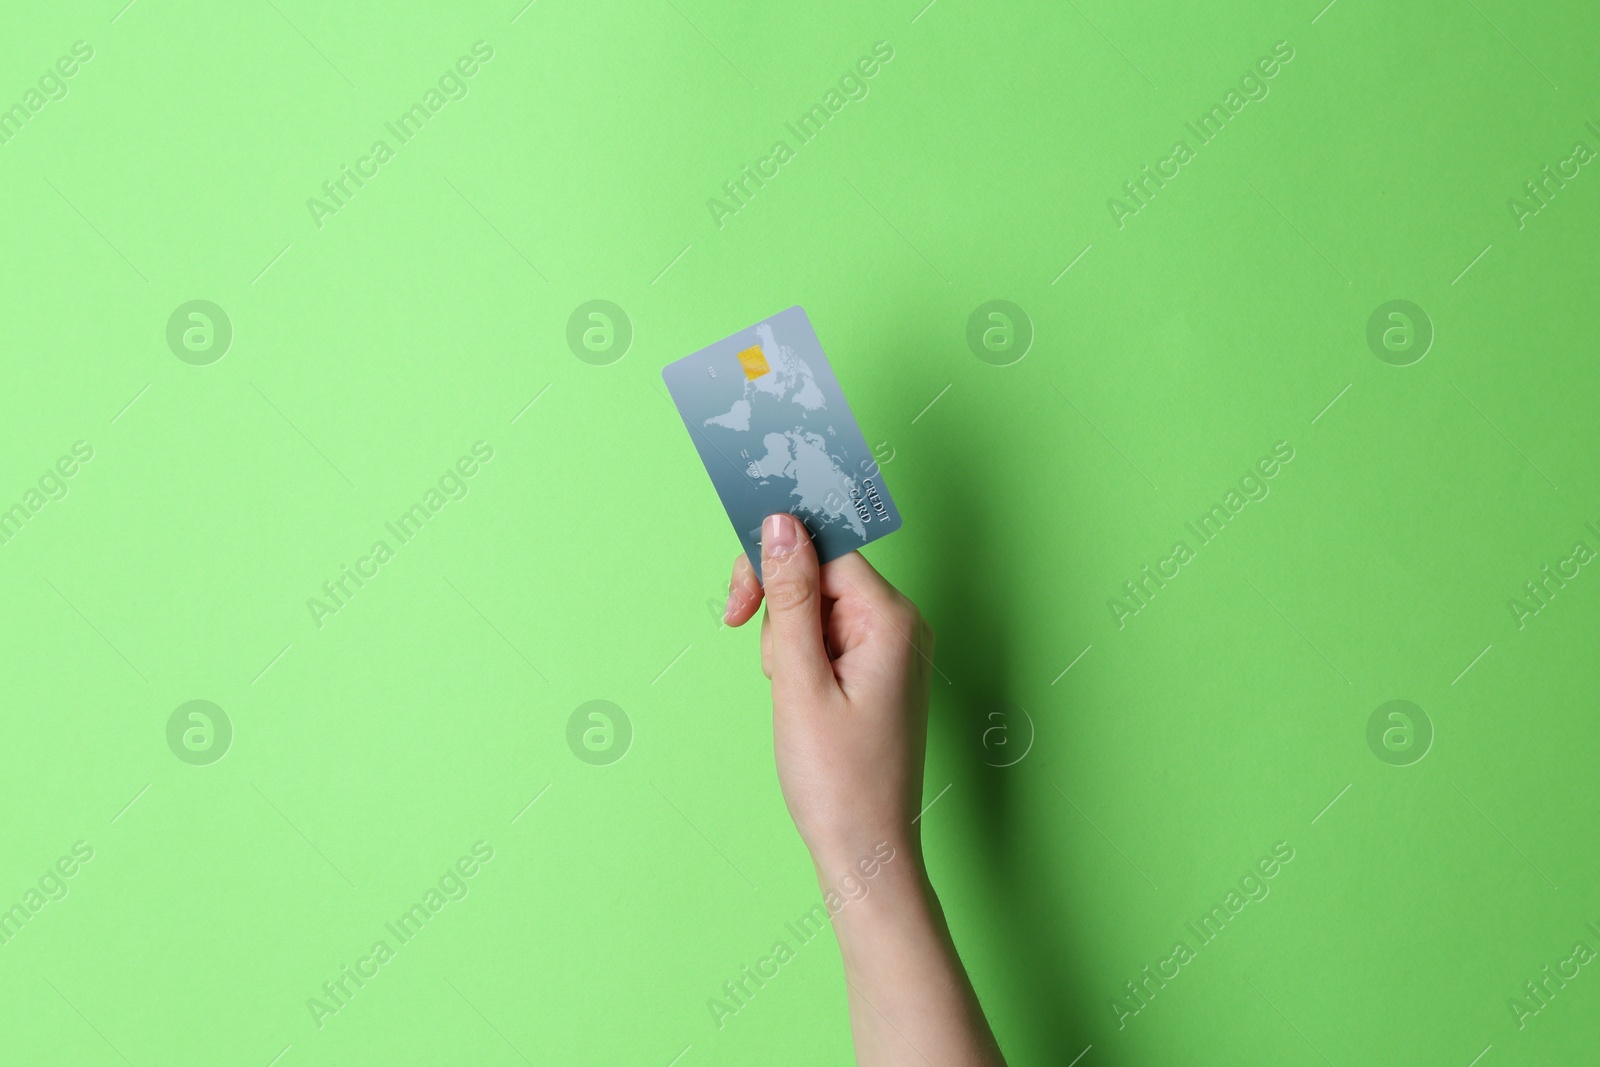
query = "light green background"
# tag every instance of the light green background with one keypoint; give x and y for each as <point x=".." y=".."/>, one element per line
<point x="370" y="353"/>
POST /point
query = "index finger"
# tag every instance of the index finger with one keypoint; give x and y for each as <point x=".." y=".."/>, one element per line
<point x="744" y="593"/>
<point x="853" y="574"/>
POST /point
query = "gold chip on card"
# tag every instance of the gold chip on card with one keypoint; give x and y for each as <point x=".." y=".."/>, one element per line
<point x="753" y="362"/>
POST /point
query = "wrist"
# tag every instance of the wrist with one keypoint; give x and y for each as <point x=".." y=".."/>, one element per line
<point x="880" y="865"/>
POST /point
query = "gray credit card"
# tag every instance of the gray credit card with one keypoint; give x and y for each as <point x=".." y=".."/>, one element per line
<point x="775" y="434"/>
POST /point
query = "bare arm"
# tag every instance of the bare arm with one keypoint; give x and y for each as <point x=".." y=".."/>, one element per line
<point x="849" y="658"/>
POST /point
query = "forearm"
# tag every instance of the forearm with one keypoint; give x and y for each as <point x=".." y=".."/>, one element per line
<point x="910" y="1000"/>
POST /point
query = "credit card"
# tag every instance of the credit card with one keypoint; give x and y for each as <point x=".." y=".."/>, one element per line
<point x="775" y="433"/>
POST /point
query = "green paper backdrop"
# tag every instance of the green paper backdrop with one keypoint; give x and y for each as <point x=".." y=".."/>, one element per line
<point x="1285" y="413"/>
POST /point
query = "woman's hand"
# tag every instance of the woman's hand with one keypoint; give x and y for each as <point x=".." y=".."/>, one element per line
<point x="849" y="657"/>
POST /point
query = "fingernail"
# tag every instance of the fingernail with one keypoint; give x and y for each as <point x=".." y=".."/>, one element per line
<point x="779" y="537"/>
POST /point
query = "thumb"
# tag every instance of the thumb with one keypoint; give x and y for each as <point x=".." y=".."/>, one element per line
<point x="790" y="581"/>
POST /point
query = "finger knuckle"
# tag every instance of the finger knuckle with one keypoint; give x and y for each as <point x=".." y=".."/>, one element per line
<point x="789" y="595"/>
<point x="907" y="619"/>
